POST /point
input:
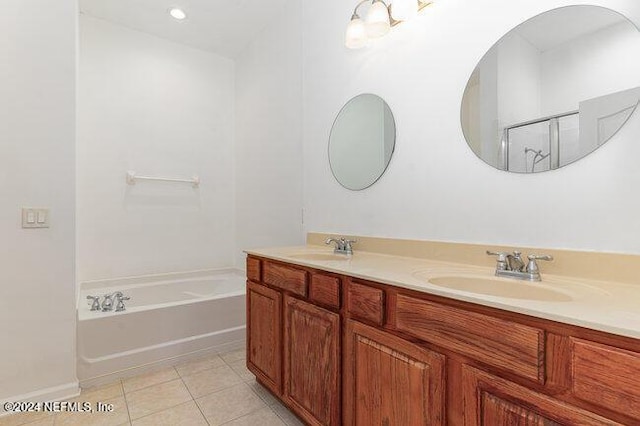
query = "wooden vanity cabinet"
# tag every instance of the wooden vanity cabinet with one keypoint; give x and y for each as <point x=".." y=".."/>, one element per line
<point x="389" y="381"/>
<point x="264" y="355"/>
<point x="341" y="350"/>
<point x="491" y="400"/>
<point x="312" y="361"/>
<point x="294" y="341"/>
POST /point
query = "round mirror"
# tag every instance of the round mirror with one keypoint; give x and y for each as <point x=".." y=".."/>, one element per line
<point x="362" y="140"/>
<point x="553" y="89"/>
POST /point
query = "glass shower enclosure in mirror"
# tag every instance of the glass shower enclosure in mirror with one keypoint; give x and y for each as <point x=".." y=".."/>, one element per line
<point x="553" y="89"/>
<point x="362" y="141"/>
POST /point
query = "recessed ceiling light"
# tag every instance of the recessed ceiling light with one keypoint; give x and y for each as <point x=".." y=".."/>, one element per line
<point x="177" y="13"/>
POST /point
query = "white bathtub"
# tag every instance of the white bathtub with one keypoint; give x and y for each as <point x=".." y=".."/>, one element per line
<point x="169" y="318"/>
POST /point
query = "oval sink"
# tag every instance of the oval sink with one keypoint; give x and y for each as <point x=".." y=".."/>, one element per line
<point x="500" y="288"/>
<point x="319" y="256"/>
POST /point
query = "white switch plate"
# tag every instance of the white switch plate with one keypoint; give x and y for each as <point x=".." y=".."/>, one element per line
<point x="35" y="218"/>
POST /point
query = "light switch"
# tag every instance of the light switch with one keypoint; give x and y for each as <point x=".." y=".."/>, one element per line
<point x="35" y="218"/>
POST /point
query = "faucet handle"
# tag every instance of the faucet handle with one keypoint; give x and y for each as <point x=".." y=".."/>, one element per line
<point x="95" y="302"/>
<point x="532" y="266"/>
<point x="502" y="259"/>
<point x="120" y="305"/>
<point x="546" y="257"/>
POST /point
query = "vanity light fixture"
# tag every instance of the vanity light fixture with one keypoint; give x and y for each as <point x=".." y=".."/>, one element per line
<point x="177" y="13"/>
<point x="379" y="19"/>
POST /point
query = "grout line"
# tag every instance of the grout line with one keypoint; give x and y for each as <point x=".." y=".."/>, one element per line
<point x="194" y="401"/>
<point x="243" y="415"/>
<point x="148" y="386"/>
<point x="126" y="403"/>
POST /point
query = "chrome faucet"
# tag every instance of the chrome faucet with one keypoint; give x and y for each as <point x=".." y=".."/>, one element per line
<point x="116" y="298"/>
<point x="107" y="303"/>
<point x="95" y="302"/>
<point x="511" y="265"/>
<point x="342" y="245"/>
<point x="120" y="298"/>
<point x="515" y="262"/>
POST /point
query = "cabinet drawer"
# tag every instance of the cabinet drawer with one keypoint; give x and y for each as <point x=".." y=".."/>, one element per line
<point x="606" y="376"/>
<point x="286" y="278"/>
<point x="510" y="346"/>
<point x="365" y="303"/>
<point x="325" y="289"/>
<point x="253" y="269"/>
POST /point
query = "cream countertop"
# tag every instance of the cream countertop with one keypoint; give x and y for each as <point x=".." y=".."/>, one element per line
<point x="611" y="307"/>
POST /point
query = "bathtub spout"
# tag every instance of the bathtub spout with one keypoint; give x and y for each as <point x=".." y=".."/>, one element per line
<point x="107" y="303"/>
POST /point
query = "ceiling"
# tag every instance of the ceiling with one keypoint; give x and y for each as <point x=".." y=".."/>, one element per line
<point x="224" y="27"/>
<point x="561" y="25"/>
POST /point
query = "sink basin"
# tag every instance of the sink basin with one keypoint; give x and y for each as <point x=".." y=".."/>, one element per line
<point x="319" y="256"/>
<point x="501" y="288"/>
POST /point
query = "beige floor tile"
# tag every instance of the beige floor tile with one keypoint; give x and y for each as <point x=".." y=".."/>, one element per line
<point x="24" y="418"/>
<point x="240" y="367"/>
<point x="101" y="393"/>
<point x="234" y="356"/>
<point x="197" y="365"/>
<point x="157" y="398"/>
<point x="209" y="381"/>
<point x="47" y="421"/>
<point x="262" y="392"/>
<point x="187" y="414"/>
<point x="264" y="417"/>
<point x="286" y="415"/>
<point x="229" y="404"/>
<point x="118" y="416"/>
<point x="149" y="379"/>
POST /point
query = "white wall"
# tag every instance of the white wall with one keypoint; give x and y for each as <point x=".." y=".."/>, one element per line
<point x="589" y="67"/>
<point x="37" y="107"/>
<point x="269" y="136"/>
<point x="157" y="108"/>
<point x="435" y="187"/>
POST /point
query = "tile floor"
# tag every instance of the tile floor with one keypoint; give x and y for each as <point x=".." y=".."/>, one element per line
<point x="215" y="390"/>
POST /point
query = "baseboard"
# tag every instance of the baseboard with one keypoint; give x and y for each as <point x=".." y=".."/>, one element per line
<point x="55" y="393"/>
<point x="166" y="362"/>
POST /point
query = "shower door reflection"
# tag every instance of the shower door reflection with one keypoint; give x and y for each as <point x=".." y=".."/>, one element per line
<point x="541" y="145"/>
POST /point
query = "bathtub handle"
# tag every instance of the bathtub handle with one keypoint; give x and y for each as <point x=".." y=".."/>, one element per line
<point x="120" y="305"/>
<point x="95" y="305"/>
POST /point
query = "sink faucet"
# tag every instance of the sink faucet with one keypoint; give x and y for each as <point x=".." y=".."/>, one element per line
<point x="342" y="245"/>
<point x="511" y="265"/>
<point x="515" y="262"/>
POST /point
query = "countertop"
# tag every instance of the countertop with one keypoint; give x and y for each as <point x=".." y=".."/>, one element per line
<point x="600" y="305"/>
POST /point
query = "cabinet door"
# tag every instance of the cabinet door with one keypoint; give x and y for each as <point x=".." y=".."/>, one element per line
<point x="492" y="401"/>
<point x="264" y="357"/>
<point x="312" y="361"/>
<point x="389" y="381"/>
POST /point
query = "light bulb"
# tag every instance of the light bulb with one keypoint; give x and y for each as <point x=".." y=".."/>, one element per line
<point x="356" y="36"/>
<point x="403" y="10"/>
<point x="177" y="13"/>
<point x="377" y="20"/>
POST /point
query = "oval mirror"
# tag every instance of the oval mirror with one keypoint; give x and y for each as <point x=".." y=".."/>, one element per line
<point x="362" y="141"/>
<point x="553" y="89"/>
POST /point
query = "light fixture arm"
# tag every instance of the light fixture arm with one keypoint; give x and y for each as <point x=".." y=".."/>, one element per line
<point x="355" y="11"/>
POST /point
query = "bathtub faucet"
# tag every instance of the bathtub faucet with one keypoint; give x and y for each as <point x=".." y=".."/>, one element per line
<point x="107" y="303"/>
<point x="120" y="298"/>
<point x="109" y="299"/>
<point x="95" y="302"/>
